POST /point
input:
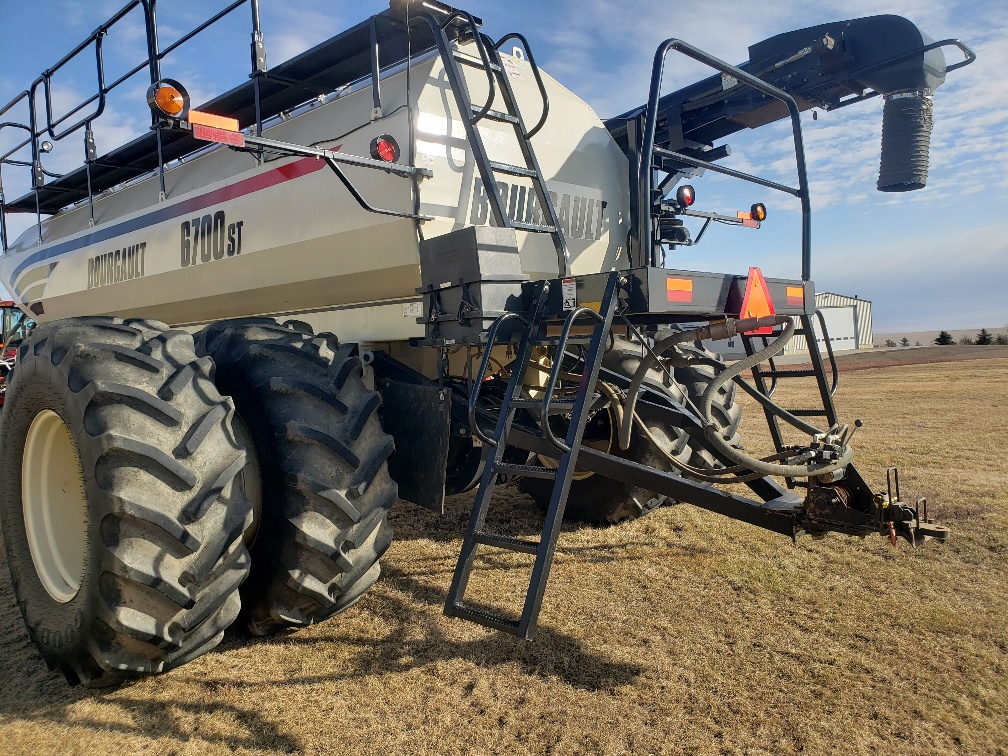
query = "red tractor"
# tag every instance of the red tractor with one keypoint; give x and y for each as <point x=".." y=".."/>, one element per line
<point x="16" y="328"/>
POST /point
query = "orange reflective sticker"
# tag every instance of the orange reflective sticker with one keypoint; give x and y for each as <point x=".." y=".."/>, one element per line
<point x="679" y="289"/>
<point x="213" y="121"/>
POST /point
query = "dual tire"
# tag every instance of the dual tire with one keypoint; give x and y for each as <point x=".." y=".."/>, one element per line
<point x="122" y="517"/>
<point x="130" y="507"/>
<point x="319" y="461"/>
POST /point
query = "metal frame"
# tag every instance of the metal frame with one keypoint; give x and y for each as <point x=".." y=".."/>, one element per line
<point x="153" y="63"/>
<point x="642" y="217"/>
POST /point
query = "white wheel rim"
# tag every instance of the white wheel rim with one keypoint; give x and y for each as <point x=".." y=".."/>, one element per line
<point x="54" y="504"/>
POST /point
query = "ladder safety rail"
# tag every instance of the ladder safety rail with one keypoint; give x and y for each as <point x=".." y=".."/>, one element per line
<point x="537" y="75"/>
<point x="493" y="66"/>
<point x="480" y="40"/>
<point x="153" y="63"/>
<point x="644" y="200"/>
<point x="484" y="366"/>
<point x="829" y="352"/>
<point x="554" y="374"/>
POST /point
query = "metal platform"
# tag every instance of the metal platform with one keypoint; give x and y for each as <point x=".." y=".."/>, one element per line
<point x="344" y="59"/>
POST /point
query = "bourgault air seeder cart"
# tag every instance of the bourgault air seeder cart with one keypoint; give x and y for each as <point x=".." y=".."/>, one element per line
<point x="497" y="266"/>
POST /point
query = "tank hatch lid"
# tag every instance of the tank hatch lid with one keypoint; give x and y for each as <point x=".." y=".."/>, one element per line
<point x="326" y="67"/>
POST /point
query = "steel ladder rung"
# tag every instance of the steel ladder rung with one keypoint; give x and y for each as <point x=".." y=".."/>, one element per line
<point x="484" y="618"/>
<point x="513" y="170"/>
<point x="529" y="471"/>
<point x="496" y="115"/>
<point x="500" y="541"/>
<point x="466" y="60"/>
<point x="795" y="373"/>
<point x="522" y="226"/>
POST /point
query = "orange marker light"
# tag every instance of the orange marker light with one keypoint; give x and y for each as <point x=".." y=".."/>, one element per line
<point x="168" y="98"/>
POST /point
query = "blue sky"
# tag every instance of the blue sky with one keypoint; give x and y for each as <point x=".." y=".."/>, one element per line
<point x="932" y="259"/>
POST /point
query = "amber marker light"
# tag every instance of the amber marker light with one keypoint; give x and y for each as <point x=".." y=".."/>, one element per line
<point x="168" y="98"/>
<point x="758" y="212"/>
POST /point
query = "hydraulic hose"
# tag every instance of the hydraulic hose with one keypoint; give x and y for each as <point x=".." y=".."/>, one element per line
<point x="764" y="400"/>
<point x="723" y="330"/>
<point x="756" y="465"/>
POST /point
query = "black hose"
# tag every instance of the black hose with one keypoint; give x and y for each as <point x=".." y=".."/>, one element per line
<point x="737" y="456"/>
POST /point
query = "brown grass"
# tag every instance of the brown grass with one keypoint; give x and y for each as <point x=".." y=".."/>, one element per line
<point x="680" y="633"/>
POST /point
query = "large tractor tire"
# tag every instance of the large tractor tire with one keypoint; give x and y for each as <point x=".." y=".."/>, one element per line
<point x="122" y="521"/>
<point x="318" y="468"/>
<point x="598" y="500"/>
<point x="725" y="413"/>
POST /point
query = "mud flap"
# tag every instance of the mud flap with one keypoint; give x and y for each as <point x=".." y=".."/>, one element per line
<point x="418" y="418"/>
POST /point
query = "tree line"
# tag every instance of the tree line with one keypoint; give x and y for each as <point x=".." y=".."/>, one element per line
<point x="984" y="338"/>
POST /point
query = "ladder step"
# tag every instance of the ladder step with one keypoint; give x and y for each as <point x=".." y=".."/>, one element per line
<point x="513" y="170"/>
<point x="566" y="404"/>
<point x="807" y="412"/>
<point x="552" y="341"/>
<point x="466" y="60"/>
<point x="529" y="471"/>
<point x="496" y="115"/>
<point x="522" y="226"/>
<point x="506" y="542"/>
<point x="796" y="373"/>
<point x="556" y="405"/>
<point x="483" y="618"/>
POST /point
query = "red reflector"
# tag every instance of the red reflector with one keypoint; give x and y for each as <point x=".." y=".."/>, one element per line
<point x="223" y="136"/>
<point x="757" y="302"/>
<point x="685" y="195"/>
<point x="795" y="296"/>
<point x="385" y="148"/>
<point x="750" y="223"/>
<point x="386" y="151"/>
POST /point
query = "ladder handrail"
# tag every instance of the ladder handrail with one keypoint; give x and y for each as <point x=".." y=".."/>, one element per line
<point x="484" y="364"/>
<point x="829" y="352"/>
<point x="478" y="38"/>
<point x="645" y="168"/>
<point x="538" y="78"/>
<point x="555" y="372"/>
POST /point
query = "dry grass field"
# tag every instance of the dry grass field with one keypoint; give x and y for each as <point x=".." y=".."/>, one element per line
<point x="680" y="633"/>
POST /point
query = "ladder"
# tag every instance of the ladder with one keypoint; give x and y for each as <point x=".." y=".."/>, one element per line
<point x="494" y="450"/>
<point x="492" y="65"/>
<point x="827" y="388"/>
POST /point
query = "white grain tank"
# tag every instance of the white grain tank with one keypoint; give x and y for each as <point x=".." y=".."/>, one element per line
<point x="234" y="236"/>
